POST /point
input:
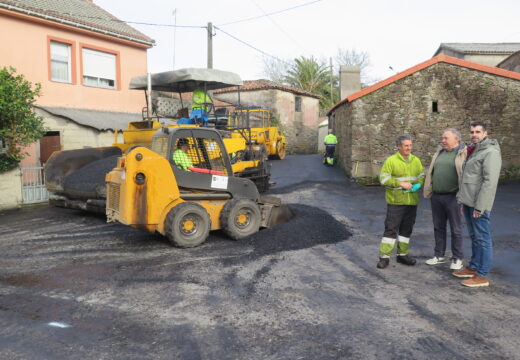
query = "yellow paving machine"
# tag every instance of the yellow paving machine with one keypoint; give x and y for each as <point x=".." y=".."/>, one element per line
<point x="76" y="178"/>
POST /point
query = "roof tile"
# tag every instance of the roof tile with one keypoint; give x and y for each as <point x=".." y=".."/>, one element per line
<point x="263" y="84"/>
<point x="79" y="13"/>
<point x="437" y="59"/>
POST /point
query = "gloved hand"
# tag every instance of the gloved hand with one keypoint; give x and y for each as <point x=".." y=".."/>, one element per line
<point x="413" y="189"/>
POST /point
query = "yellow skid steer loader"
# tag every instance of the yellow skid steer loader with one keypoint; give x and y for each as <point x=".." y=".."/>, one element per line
<point x="183" y="187"/>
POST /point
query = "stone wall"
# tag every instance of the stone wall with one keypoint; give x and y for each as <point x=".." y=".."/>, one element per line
<point x="368" y="126"/>
<point x="512" y="63"/>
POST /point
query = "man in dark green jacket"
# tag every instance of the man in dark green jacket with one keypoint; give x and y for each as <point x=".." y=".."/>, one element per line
<point x="441" y="185"/>
<point x="403" y="175"/>
<point x="477" y="194"/>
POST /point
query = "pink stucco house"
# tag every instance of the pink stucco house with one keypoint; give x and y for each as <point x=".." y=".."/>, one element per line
<point x="84" y="58"/>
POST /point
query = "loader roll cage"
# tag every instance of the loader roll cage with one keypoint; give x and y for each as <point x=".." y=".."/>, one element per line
<point x="210" y="161"/>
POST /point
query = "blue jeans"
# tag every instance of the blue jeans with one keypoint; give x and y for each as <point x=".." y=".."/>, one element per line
<point x="481" y="243"/>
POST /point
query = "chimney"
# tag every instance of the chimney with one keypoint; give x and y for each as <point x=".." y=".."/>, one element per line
<point x="349" y="80"/>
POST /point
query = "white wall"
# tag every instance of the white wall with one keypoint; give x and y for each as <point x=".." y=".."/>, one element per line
<point x="10" y="189"/>
<point x="75" y="136"/>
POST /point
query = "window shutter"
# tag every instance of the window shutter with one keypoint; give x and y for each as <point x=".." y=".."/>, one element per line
<point x="99" y="64"/>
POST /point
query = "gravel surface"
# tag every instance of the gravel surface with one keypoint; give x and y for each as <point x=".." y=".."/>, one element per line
<point x="74" y="287"/>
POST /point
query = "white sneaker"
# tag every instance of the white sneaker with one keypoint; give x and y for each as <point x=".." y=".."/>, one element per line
<point x="436" y="260"/>
<point x="456" y="264"/>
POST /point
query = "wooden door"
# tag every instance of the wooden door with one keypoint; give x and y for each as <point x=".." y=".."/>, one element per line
<point x="48" y="144"/>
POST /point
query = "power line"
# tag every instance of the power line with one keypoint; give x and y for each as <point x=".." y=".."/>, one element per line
<point x="272" y="13"/>
<point x="279" y="27"/>
<point x="124" y="21"/>
<point x="251" y="46"/>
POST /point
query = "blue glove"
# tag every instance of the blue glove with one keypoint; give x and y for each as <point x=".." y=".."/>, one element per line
<point x="413" y="189"/>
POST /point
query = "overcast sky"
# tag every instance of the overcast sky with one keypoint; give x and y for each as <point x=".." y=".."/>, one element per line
<point x="397" y="34"/>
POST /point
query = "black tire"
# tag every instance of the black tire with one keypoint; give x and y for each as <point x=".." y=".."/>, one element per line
<point x="187" y="225"/>
<point x="240" y="218"/>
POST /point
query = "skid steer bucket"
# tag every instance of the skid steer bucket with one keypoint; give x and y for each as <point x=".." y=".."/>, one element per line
<point x="63" y="163"/>
<point x="273" y="211"/>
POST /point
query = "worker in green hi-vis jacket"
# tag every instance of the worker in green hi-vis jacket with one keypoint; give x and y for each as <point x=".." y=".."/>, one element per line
<point x="330" y="148"/>
<point x="180" y="156"/>
<point x="403" y="175"/>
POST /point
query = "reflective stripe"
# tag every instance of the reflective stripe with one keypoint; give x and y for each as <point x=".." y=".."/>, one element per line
<point x="387" y="240"/>
<point x="384" y="178"/>
<point x="421" y="175"/>
<point x="384" y="256"/>
<point x="403" y="239"/>
<point x="406" y="178"/>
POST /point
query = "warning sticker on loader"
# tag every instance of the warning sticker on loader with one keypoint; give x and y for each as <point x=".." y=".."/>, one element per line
<point x="219" y="182"/>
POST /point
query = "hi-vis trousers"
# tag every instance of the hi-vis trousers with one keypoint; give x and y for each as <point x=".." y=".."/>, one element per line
<point x="398" y="226"/>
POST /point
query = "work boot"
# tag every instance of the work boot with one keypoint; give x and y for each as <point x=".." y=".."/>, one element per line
<point x="464" y="273"/>
<point x="383" y="263"/>
<point x="476" y="281"/>
<point x="406" y="260"/>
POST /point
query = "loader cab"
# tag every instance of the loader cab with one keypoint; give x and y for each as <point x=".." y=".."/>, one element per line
<point x="199" y="160"/>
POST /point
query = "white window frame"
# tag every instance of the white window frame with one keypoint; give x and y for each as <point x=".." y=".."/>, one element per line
<point x="99" y="68"/>
<point x="57" y="58"/>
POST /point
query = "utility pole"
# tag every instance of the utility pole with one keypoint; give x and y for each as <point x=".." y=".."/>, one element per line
<point x="174" y="34"/>
<point x="210" y="45"/>
<point x="331" y="77"/>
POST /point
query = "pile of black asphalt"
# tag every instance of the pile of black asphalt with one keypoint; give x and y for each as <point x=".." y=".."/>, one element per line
<point x="310" y="226"/>
<point x="91" y="176"/>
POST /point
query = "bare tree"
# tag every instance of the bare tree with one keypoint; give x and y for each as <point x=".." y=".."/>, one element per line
<point x="353" y="57"/>
<point x="275" y="69"/>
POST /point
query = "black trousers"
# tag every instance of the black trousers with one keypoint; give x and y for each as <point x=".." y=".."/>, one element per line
<point x="400" y="220"/>
<point x="329" y="150"/>
<point x="446" y="209"/>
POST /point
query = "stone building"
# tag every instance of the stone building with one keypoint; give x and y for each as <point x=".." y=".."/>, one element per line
<point x="423" y="100"/>
<point x="483" y="53"/>
<point x="296" y="110"/>
<point x="511" y="63"/>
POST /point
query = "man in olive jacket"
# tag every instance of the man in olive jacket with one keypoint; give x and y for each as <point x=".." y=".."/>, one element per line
<point x="441" y="185"/>
<point x="477" y="194"/>
<point x="402" y="174"/>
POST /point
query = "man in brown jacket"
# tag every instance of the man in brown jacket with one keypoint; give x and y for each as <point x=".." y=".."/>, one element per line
<point x="441" y="185"/>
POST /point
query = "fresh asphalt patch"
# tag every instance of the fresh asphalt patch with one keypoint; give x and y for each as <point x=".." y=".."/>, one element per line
<point x="309" y="227"/>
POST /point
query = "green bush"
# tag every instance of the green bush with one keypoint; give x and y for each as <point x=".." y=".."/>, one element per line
<point x="368" y="181"/>
<point x="7" y="163"/>
<point x="19" y="123"/>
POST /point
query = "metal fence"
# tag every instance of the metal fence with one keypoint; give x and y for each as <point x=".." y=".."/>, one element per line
<point x="33" y="186"/>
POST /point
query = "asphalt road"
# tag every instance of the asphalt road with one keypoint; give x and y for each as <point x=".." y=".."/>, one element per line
<point x="74" y="287"/>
